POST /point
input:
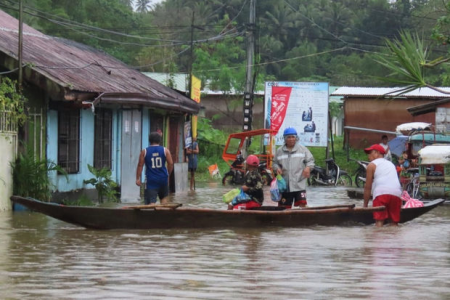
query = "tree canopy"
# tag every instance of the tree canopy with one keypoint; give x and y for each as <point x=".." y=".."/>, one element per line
<point x="338" y="41"/>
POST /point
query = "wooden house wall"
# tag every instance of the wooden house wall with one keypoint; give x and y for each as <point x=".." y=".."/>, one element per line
<point x="230" y="111"/>
<point x="380" y="114"/>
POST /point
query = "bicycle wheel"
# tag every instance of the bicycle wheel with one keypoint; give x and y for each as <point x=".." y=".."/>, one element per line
<point x="360" y="179"/>
<point x="416" y="194"/>
<point x="409" y="188"/>
<point x="344" y="180"/>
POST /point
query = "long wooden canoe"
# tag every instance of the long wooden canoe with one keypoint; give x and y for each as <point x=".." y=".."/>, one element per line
<point x="161" y="217"/>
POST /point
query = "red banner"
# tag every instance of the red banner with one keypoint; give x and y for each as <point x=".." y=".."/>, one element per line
<point x="280" y="101"/>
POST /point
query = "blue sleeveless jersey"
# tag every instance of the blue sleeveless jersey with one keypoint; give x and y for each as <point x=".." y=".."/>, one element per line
<point x="155" y="167"/>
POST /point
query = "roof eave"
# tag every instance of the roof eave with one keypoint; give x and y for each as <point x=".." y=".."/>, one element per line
<point x="426" y="108"/>
<point x="180" y="105"/>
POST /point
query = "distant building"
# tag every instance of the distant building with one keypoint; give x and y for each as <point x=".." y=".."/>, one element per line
<point x="224" y="109"/>
<point x="380" y="109"/>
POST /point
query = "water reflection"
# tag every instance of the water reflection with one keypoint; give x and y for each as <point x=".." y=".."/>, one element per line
<point x="42" y="258"/>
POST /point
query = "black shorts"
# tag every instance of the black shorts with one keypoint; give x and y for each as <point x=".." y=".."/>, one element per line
<point x="286" y="198"/>
<point x="192" y="169"/>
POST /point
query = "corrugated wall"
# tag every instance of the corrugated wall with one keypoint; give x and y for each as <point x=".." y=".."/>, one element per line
<point x="379" y="114"/>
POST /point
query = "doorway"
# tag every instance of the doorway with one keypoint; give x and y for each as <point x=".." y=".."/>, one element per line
<point x="131" y="148"/>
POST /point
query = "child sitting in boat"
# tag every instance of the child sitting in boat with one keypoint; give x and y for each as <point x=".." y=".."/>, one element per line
<point x="402" y="169"/>
<point x="404" y="164"/>
<point x="253" y="186"/>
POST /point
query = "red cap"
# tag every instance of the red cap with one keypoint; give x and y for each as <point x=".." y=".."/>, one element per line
<point x="252" y="160"/>
<point x="376" y="147"/>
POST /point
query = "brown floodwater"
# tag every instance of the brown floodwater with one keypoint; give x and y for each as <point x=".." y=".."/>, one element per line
<point x="43" y="258"/>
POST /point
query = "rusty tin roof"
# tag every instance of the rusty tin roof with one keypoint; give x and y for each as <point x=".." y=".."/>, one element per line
<point x="71" y="71"/>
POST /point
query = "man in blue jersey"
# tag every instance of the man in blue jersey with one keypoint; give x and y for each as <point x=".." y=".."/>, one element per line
<point x="157" y="174"/>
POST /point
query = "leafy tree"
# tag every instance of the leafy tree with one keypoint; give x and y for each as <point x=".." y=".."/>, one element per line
<point x="142" y="6"/>
<point x="286" y="29"/>
<point x="220" y="63"/>
<point x="441" y="31"/>
<point x="13" y="102"/>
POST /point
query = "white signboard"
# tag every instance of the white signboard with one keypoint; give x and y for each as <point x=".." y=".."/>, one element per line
<point x="302" y="105"/>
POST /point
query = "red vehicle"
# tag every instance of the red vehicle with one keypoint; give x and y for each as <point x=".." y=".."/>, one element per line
<point x="240" y="145"/>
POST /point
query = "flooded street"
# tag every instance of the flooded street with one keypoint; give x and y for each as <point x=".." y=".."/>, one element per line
<point x="42" y="258"/>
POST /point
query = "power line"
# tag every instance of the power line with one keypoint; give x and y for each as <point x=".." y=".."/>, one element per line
<point x="312" y="21"/>
<point x="71" y="24"/>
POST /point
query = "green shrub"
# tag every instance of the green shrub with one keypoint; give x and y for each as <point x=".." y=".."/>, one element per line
<point x="30" y="176"/>
<point x="105" y="186"/>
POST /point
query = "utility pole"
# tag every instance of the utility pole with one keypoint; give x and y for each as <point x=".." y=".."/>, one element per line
<point x="191" y="61"/>
<point x="20" y="49"/>
<point x="191" y="58"/>
<point x="248" y="93"/>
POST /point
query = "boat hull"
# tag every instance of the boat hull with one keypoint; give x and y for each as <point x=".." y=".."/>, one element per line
<point x="165" y="218"/>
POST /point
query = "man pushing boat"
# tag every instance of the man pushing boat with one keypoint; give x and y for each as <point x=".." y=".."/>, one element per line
<point x="383" y="184"/>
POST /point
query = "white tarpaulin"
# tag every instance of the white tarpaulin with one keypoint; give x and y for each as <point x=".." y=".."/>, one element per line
<point x="412" y="126"/>
<point x="435" y="154"/>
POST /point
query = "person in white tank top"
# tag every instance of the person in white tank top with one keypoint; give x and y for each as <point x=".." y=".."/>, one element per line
<point x="383" y="184"/>
<point x="384" y="143"/>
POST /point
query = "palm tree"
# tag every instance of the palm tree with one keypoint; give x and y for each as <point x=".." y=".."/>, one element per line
<point x="142" y="6"/>
<point x="408" y="61"/>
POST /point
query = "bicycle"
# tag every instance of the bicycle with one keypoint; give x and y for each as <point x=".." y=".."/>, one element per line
<point x="413" y="186"/>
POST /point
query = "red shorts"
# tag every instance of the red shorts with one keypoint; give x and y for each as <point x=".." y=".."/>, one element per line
<point x="393" y="206"/>
<point x="246" y="205"/>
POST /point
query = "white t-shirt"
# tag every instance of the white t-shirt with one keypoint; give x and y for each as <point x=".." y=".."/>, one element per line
<point x="385" y="179"/>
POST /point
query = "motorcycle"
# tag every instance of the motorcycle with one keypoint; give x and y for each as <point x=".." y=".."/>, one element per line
<point x="335" y="176"/>
<point x="360" y="174"/>
<point x="235" y="176"/>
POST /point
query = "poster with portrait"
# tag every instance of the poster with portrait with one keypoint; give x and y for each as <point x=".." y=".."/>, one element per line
<point x="302" y="105"/>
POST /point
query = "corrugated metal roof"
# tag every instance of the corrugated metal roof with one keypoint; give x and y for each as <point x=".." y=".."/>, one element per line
<point x="389" y="92"/>
<point x="180" y="82"/>
<point x="79" y="68"/>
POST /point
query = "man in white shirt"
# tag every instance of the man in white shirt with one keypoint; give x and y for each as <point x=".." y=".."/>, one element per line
<point x="383" y="184"/>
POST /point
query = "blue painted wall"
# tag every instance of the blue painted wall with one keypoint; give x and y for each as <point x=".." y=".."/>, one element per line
<point x="75" y="181"/>
<point x="87" y="148"/>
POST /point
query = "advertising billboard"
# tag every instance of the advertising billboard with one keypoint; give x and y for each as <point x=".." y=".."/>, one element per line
<point x="302" y="105"/>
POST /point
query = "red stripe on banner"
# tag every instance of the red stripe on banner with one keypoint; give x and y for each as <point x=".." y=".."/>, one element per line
<point x="280" y="101"/>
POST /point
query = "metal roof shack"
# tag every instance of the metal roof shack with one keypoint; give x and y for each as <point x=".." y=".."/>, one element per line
<point x="393" y="92"/>
<point x="70" y="71"/>
<point x="382" y="109"/>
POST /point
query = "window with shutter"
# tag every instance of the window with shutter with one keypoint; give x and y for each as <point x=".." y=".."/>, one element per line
<point x="103" y="139"/>
<point x="69" y="140"/>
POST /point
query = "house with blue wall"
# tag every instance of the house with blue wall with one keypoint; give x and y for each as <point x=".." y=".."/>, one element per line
<point x="91" y="109"/>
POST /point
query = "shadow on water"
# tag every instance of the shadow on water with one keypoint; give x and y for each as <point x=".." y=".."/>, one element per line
<point x="43" y="258"/>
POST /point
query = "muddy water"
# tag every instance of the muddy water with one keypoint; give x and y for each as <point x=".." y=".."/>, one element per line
<point x="42" y="258"/>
